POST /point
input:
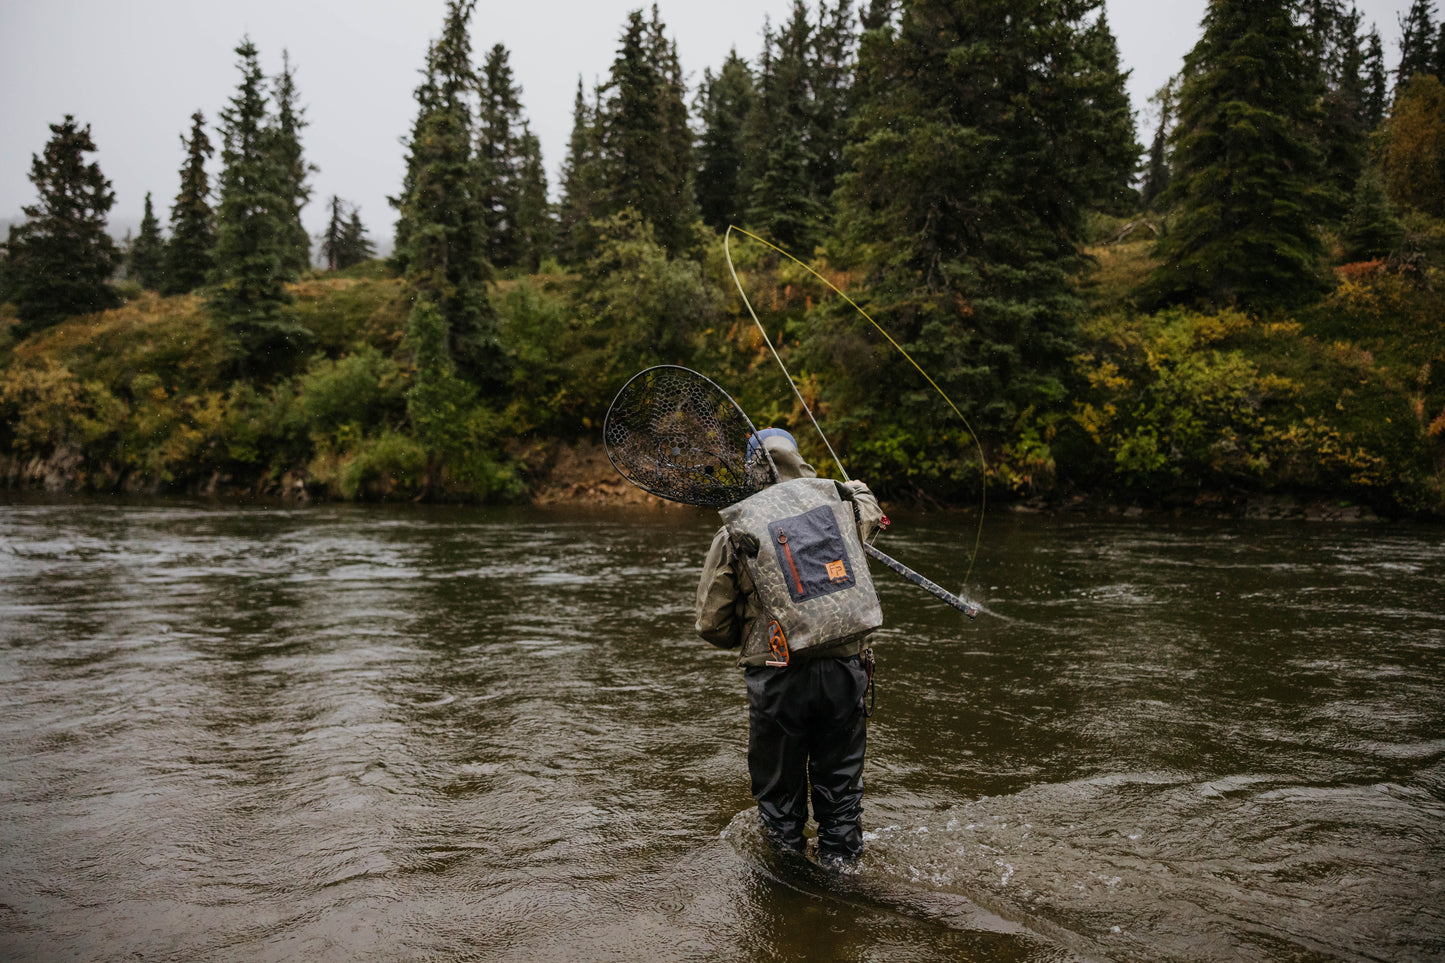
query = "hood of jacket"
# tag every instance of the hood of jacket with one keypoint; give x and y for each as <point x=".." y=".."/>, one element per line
<point x="785" y="455"/>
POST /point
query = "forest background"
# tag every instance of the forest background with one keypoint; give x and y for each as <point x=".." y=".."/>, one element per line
<point x="1246" y="309"/>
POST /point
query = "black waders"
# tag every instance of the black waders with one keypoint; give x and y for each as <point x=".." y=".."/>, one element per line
<point x="807" y="722"/>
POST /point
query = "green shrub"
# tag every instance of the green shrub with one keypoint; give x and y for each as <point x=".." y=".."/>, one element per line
<point x="359" y="393"/>
<point x="389" y="466"/>
<point x="1171" y="404"/>
<point x="47" y="407"/>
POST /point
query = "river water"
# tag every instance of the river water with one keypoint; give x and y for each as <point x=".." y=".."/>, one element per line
<point x="338" y="732"/>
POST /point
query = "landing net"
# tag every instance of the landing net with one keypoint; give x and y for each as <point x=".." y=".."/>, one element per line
<point x="674" y="433"/>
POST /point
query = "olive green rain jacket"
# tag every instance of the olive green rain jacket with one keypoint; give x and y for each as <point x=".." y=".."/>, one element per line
<point x="727" y="604"/>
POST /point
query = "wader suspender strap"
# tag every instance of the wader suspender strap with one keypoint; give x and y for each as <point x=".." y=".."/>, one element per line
<point x="871" y="693"/>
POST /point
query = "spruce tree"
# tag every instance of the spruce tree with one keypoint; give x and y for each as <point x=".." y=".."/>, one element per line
<point x="503" y="148"/>
<point x="285" y="135"/>
<point x="426" y="97"/>
<point x="445" y="257"/>
<point x="1371" y="230"/>
<point x="644" y="140"/>
<point x="784" y="202"/>
<point x="1246" y="186"/>
<point x="536" y="228"/>
<point x="798" y="126"/>
<point x="879" y="14"/>
<point x="1376" y="81"/>
<point x="1343" y="125"/>
<point x="831" y="61"/>
<point x="1156" y="169"/>
<point x="190" y="252"/>
<point x="60" y="260"/>
<point x="975" y="158"/>
<point x="1417" y="43"/>
<point x="147" y="253"/>
<point x="254" y="244"/>
<point x="680" y="210"/>
<point x="581" y="181"/>
<point x="333" y="239"/>
<point x="1109" y="158"/>
<point x="356" y="245"/>
<point x="724" y="103"/>
<point x="344" y="242"/>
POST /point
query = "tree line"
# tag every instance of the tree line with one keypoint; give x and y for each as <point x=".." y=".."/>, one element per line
<point x="952" y="161"/>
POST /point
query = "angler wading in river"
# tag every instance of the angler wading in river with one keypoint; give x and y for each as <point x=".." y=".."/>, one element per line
<point x="786" y="580"/>
<point x="807" y="667"/>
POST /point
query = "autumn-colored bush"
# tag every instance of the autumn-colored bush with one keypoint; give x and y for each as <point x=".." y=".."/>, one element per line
<point x="1413" y="151"/>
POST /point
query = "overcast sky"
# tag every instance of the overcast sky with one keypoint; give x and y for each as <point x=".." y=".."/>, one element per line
<point x="135" y="71"/>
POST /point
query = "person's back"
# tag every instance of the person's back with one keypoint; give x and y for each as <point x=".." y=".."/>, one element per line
<point x="807" y="722"/>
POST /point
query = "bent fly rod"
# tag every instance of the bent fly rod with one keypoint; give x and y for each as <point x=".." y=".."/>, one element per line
<point x="674" y="433"/>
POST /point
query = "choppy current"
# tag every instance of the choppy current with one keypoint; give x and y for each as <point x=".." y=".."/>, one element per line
<point x="337" y="733"/>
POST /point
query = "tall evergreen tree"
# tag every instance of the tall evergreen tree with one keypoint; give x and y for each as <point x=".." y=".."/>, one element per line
<point x="1371" y="230"/>
<point x="426" y="96"/>
<point x="190" y="252"/>
<point x="147" y="253"/>
<point x="798" y="127"/>
<point x="1109" y="157"/>
<point x="355" y="244"/>
<point x="1417" y="43"/>
<point x="1320" y="18"/>
<point x="1343" y="125"/>
<point x="498" y="135"/>
<point x="784" y="202"/>
<point x="331" y="238"/>
<point x="581" y="180"/>
<point x="59" y="261"/>
<point x="723" y="104"/>
<point x="446" y="263"/>
<point x="831" y="61"/>
<point x="974" y="162"/>
<point x="1156" y="169"/>
<point x="1246" y="182"/>
<point x="1376" y="81"/>
<point x="285" y="134"/>
<point x="536" y="228"/>
<point x="344" y="242"/>
<point x="511" y="162"/>
<point x="645" y="142"/>
<point x="254" y="244"/>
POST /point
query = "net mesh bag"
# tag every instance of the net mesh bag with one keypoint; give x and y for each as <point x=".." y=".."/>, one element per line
<point x="672" y="432"/>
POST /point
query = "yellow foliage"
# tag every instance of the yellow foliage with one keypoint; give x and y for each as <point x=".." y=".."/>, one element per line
<point x="47" y="407"/>
<point x="312" y="288"/>
<point x="1413" y="157"/>
<point x="1118" y="271"/>
<point x="1282" y="329"/>
<point x="1328" y="453"/>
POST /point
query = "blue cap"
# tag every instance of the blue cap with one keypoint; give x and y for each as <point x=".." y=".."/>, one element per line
<point x="756" y="440"/>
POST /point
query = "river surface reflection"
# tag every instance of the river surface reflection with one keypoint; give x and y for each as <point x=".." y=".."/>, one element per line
<point x="337" y="732"/>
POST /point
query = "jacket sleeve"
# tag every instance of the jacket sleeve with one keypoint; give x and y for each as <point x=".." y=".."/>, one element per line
<point x="869" y="512"/>
<point x="719" y="599"/>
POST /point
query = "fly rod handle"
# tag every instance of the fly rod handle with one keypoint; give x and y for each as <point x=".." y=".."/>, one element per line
<point x="969" y="609"/>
